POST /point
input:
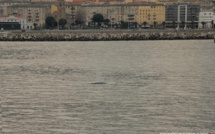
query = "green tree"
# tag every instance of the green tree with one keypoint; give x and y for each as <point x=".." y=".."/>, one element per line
<point x="212" y="24"/>
<point x="35" y="26"/>
<point x="98" y="18"/>
<point x="155" y="24"/>
<point x="106" y="21"/>
<point x="144" y="23"/>
<point x="62" y="23"/>
<point x="135" y="24"/>
<point x="124" y="24"/>
<point x="50" y="23"/>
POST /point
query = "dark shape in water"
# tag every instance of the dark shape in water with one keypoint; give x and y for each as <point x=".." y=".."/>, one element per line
<point x="99" y="83"/>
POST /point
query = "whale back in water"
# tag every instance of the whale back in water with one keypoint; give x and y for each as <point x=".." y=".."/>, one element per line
<point x="99" y="83"/>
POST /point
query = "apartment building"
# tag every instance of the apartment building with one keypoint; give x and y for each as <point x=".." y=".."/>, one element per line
<point x="1" y="10"/>
<point x="86" y="11"/>
<point x="71" y="11"/>
<point x="122" y="12"/>
<point x="117" y="13"/>
<point x="34" y="13"/>
<point x="151" y="13"/>
<point x="57" y="10"/>
<point x="206" y="5"/>
<point x="205" y="19"/>
<point x="5" y="3"/>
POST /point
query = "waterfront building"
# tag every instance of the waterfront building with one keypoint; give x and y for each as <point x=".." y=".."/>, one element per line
<point x="206" y="5"/>
<point x="122" y="13"/>
<point x="5" y="3"/>
<point x="37" y="13"/>
<point x="61" y="9"/>
<point x="10" y="22"/>
<point x="151" y="14"/>
<point x="34" y="13"/>
<point x="182" y="15"/>
<point x="206" y="19"/>
<point x="58" y="10"/>
<point x="71" y="10"/>
<point x="117" y="13"/>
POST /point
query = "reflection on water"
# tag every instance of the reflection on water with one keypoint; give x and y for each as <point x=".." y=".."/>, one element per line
<point x="132" y="87"/>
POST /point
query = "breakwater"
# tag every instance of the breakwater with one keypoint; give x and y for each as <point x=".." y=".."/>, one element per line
<point x="104" y="35"/>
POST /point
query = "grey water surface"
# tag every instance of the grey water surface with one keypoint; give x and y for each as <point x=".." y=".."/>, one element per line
<point x="123" y="87"/>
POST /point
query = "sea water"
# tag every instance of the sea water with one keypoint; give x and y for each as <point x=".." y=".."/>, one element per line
<point x="123" y="87"/>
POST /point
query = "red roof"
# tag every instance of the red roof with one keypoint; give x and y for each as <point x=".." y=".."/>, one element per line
<point x="80" y="1"/>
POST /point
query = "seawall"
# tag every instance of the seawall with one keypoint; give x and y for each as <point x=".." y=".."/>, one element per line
<point x="104" y="35"/>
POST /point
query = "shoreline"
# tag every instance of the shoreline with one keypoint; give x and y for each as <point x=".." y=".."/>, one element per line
<point x="104" y="35"/>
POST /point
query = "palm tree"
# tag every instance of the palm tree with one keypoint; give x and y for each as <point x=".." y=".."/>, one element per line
<point x="35" y="26"/>
<point x="155" y="23"/>
<point x="203" y="24"/>
<point x="144" y="23"/>
<point x="193" y="24"/>
<point x="183" y="24"/>
<point x="164" y="24"/>
<point x="62" y="23"/>
<point x="174" y="24"/>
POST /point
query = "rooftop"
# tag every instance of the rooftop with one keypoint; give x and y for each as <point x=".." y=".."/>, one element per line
<point x="32" y="5"/>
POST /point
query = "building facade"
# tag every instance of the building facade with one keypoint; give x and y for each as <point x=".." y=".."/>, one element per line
<point x="206" y="5"/>
<point x="206" y="19"/>
<point x="34" y="13"/>
<point x="85" y="12"/>
<point x="182" y="15"/>
<point x="17" y="19"/>
<point x="151" y="14"/>
<point x="117" y="13"/>
<point x="71" y="10"/>
<point x="5" y="3"/>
